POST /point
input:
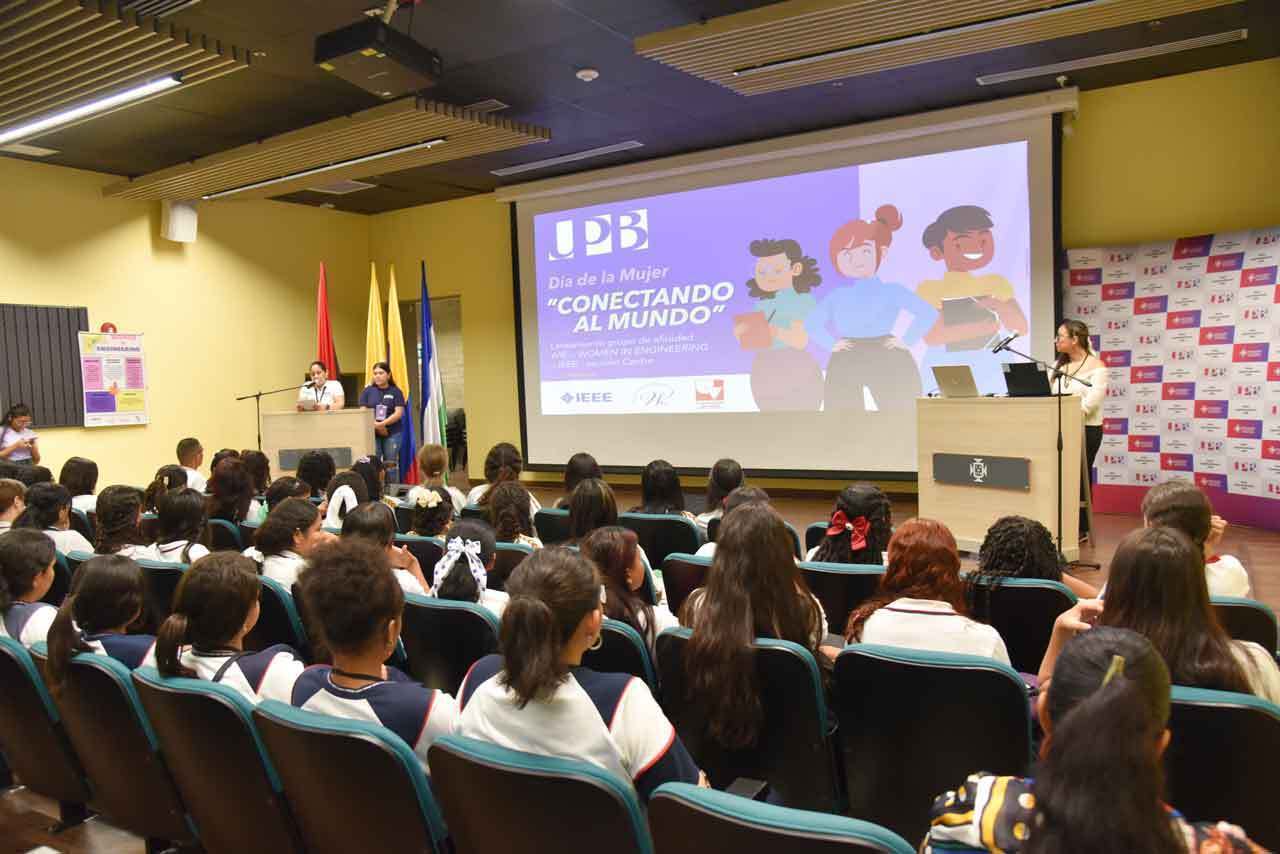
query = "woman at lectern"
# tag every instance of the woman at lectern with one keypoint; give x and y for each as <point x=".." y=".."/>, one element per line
<point x="1077" y="361"/>
<point x="321" y="392"/>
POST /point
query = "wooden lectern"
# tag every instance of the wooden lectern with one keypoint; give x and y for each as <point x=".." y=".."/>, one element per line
<point x="347" y="434"/>
<point x="986" y="457"/>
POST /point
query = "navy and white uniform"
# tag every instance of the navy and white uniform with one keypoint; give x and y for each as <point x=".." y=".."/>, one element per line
<point x="284" y="567"/>
<point x="28" y="622"/>
<point x="265" y="675"/>
<point x="608" y="719"/>
<point x="133" y="651"/>
<point x="417" y="714"/>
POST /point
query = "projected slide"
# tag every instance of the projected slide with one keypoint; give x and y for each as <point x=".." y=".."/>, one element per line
<point x="826" y="291"/>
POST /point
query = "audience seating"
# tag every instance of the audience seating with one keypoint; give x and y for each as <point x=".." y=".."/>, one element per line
<point x="661" y="535"/>
<point x="75" y="559"/>
<point x="278" y="620"/>
<point x="33" y="738"/>
<point x="687" y="819"/>
<point x="1224" y="749"/>
<point x="1247" y="619"/>
<point x="915" y="723"/>
<point x="813" y="534"/>
<point x="622" y="650"/>
<point x="427" y="550"/>
<point x="224" y="536"/>
<point x="61" y="581"/>
<point x="552" y="525"/>
<point x="149" y="525"/>
<point x="247" y="533"/>
<point x="508" y="557"/>
<point x="352" y="785"/>
<point x="841" y="587"/>
<point x="80" y="522"/>
<point x="474" y="511"/>
<point x="713" y="529"/>
<point x="532" y="804"/>
<point x="681" y="575"/>
<point x="130" y="784"/>
<point x="212" y="749"/>
<point x="794" y="751"/>
<point x="1023" y="611"/>
<point x="404" y="518"/>
<point x="443" y="638"/>
<point x="162" y="581"/>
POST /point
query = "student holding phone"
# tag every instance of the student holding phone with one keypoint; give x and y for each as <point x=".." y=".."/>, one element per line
<point x="17" y="439"/>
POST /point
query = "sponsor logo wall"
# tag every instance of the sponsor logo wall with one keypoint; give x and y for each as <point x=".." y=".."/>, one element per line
<point x="1190" y="332"/>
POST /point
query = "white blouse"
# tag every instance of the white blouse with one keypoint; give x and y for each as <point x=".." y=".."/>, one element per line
<point x="1092" y="396"/>
<point x="932" y="625"/>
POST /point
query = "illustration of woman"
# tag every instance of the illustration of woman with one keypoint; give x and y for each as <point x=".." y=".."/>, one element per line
<point x="783" y="376"/>
<point x="874" y="329"/>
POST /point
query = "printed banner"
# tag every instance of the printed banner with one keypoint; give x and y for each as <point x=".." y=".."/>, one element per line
<point x="1190" y="332"/>
<point x="114" y="371"/>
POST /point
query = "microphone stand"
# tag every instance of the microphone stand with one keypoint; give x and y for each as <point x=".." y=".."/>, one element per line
<point x="257" y="403"/>
<point x="1057" y="374"/>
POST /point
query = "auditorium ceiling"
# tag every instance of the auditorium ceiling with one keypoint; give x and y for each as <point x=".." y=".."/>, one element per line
<point x="525" y="54"/>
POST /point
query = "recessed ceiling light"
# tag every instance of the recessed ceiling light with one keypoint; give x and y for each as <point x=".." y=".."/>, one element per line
<point x="586" y="75"/>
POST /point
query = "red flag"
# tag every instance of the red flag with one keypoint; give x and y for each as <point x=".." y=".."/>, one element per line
<point x="325" y="351"/>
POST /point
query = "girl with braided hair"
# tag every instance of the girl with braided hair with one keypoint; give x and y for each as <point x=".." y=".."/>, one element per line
<point x="1018" y="547"/>
<point x="119" y="523"/>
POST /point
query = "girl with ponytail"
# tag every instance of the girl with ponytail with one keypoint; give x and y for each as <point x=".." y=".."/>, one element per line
<point x="119" y="523"/>
<point x="214" y="607"/>
<point x="462" y="573"/>
<point x="510" y="513"/>
<point x="49" y="509"/>
<point x="182" y="532"/>
<point x="873" y="329"/>
<point x="860" y="528"/>
<point x="167" y="479"/>
<point x="26" y="573"/>
<point x="106" y="597"/>
<point x="536" y="696"/>
<point x="724" y="478"/>
<point x="1100" y="783"/>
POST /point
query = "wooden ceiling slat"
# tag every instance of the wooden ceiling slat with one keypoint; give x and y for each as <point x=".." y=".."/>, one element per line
<point x="82" y="25"/>
<point x="103" y="46"/>
<point x="26" y="11"/>
<point x="146" y="64"/>
<point x="11" y="31"/>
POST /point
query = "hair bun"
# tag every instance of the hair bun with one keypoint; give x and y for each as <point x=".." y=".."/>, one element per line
<point x="889" y="217"/>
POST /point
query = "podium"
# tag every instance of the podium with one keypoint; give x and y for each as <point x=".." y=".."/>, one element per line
<point x="986" y="457"/>
<point x="346" y="434"/>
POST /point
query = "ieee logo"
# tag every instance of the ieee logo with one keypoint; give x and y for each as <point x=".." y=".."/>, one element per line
<point x="604" y="234"/>
<point x="587" y="397"/>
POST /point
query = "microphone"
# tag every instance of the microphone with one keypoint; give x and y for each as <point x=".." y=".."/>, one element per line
<point x="1003" y="344"/>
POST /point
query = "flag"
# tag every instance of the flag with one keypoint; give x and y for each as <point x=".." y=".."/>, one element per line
<point x="400" y="368"/>
<point x="433" y="410"/>
<point x="325" y="351"/>
<point x="375" y="339"/>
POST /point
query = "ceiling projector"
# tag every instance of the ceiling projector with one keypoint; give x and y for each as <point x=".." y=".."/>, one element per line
<point x="378" y="59"/>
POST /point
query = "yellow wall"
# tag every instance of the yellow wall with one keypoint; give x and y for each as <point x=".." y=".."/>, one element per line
<point x="230" y="313"/>
<point x="1183" y="155"/>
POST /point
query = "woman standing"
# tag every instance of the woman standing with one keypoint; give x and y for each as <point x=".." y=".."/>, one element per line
<point x="17" y="439"/>
<point x="1077" y="362"/>
<point x="321" y="392"/>
<point x="386" y="400"/>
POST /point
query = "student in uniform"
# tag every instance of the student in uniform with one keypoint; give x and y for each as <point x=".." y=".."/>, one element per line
<point x="371" y="471"/>
<point x="1180" y="504"/>
<point x="616" y="553"/>
<point x="285" y="487"/>
<point x="183" y="527"/>
<point x="581" y="466"/>
<point x="286" y="538"/>
<point x="502" y="463"/>
<point x="119" y="524"/>
<point x="18" y="442"/>
<point x="26" y="573"/>
<point x="510" y="509"/>
<point x="375" y="523"/>
<point x="660" y="491"/>
<point x="1098" y="785"/>
<point x="740" y="496"/>
<point x="432" y="511"/>
<point x="537" y="697"/>
<point x="167" y="479"/>
<point x="433" y="464"/>
<point x="13" y="500"/>
<point x="351" y="595"/>
<point x="316" y="469"/>
<point x="80" y="476"/>
<point x="1018" y="547"/>
<point x="191" y="457"/>
<point x="725" y="477"/>
<point x="214" y="607"/>
<point x="347" y="491"/>
<point x="49" y="509"/>
<point x="921" y="601"/>
<point x="591" y="505"/>
<point x="258" y="467"/>
<point x="231" y="492"/>
<point x="462" y="573"/>
<point x="106" y="596"/>
<point x="859" y="530"/>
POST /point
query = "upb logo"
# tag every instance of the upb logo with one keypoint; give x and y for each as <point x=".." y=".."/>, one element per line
<point x="603" y="234"/>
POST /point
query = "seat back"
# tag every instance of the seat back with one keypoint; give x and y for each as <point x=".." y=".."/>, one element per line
<point x="1023" y="611"/>
<point x="148" y="525"/>
<point x="795" y="541"/>
<point x="212" y="749"/>
<point x="1211" y="728"/>
<point x="352" y="785"/>
<point x="552" y="525"/>
<point x="841" y="587"/>
<point x="32" y="738"/>
<point x="61" y="581"/>
<point x="111" y="734"/>
<point x="75" y="559"/>
<point x="247" y="533"/>
<point x="427" y="550"/>
<point x="507" y="558"/>
<point x="81" y="523"/>
<point x="662" y="534"/>
<point x="681" y="575"/>
<point x="443" y="638"/>
<point x="691" y="820"/>
<point x="404" y="518"/>
<point x="793" y="752"/>
<point x="224" y="536"/>
<point x="813" y="535"/>
<point x="622" y="650"/>
<point x="162" y="581"/>
<point x="915" y="722"/>
<point x="713" y="529"/>
<point x="1247" y="619"/>
<point x="278" y="620"/>
<point x="532" y="804"/>
<point x="474" y="511"/>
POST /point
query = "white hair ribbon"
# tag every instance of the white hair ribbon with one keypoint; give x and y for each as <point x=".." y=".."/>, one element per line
<point x="342" y="503"/>
<point x="455" y="549"/>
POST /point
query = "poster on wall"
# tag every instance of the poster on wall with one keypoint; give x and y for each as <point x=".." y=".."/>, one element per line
<point x="114" y="371"/>
<point x="1190" y="332"/>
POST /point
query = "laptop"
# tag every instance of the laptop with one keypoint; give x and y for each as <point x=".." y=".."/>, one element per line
<point x="955" y="381"/>
<point x="1026" y="379"/>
